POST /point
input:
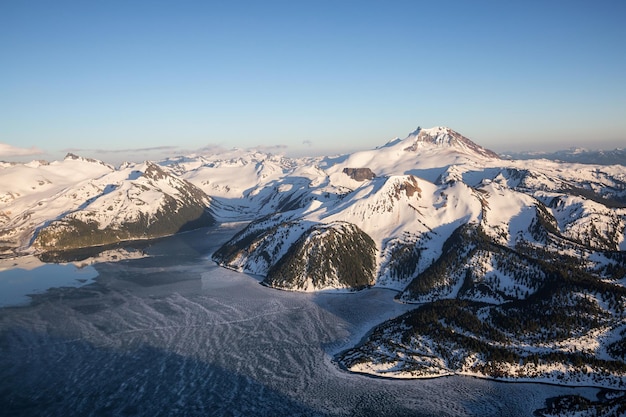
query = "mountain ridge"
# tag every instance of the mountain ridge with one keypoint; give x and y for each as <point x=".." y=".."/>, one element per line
<point x="479" y="244"/>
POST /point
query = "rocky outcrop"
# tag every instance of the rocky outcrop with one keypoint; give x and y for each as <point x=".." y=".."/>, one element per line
<point x="359" y="174"/>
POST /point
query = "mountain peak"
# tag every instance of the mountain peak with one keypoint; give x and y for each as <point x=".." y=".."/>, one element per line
<point x="444" y="137"/>
<point x="73" y="157"/>
<point x="416" y="131"/>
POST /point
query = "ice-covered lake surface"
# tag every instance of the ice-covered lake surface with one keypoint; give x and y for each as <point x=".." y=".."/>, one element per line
<point x="17" y="283"/>
<point x="174" y="334"/>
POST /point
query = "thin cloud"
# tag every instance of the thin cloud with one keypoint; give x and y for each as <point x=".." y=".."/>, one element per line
<point x="219" y="149"/>
<point x="127" y="150"/>
<point x="307" y="143"/>
<point x="142" y="150"/>
<point x="116" y="156"/>
<point x="7" y="150"/>
<point x="210" y="150"/>
<point x="270" y="148"/>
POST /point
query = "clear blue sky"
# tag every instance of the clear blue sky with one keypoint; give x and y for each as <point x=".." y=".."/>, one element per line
<point x="151" y="78"/>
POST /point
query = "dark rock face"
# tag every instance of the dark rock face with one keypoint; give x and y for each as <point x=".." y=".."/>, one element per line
<point x="359" y="174"/>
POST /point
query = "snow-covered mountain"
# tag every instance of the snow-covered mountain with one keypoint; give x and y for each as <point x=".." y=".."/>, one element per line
<point x="503" y="254"/>
<point x="576" y="155"/>
<point x="249" y="180"/>
<point x="136" y="202"/>
<point x="518" y="267"/>
<point x="81" y="203"/>
<point x="410" y="195"/>
<point x="38" y="192"/>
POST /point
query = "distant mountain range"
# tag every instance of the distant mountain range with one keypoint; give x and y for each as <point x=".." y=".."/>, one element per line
<point x="517" y="267"/>
<point x="576" y="155"/>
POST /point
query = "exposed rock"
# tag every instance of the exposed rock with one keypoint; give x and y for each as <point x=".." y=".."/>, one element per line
<point x="359" y="174"/>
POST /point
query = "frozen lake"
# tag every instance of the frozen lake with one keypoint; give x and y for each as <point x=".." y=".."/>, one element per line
<point x="173" y="334"/>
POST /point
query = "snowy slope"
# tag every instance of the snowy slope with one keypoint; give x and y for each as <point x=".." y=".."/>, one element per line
<point x="413" y="193"/>
<point x="425" y="153"/>
<point x="246" y="181"/>
<point x="34" y="193"/>
<point x="141" y="201"/>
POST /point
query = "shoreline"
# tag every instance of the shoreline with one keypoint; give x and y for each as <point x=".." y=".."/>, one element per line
<point x="511" y="380"/>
